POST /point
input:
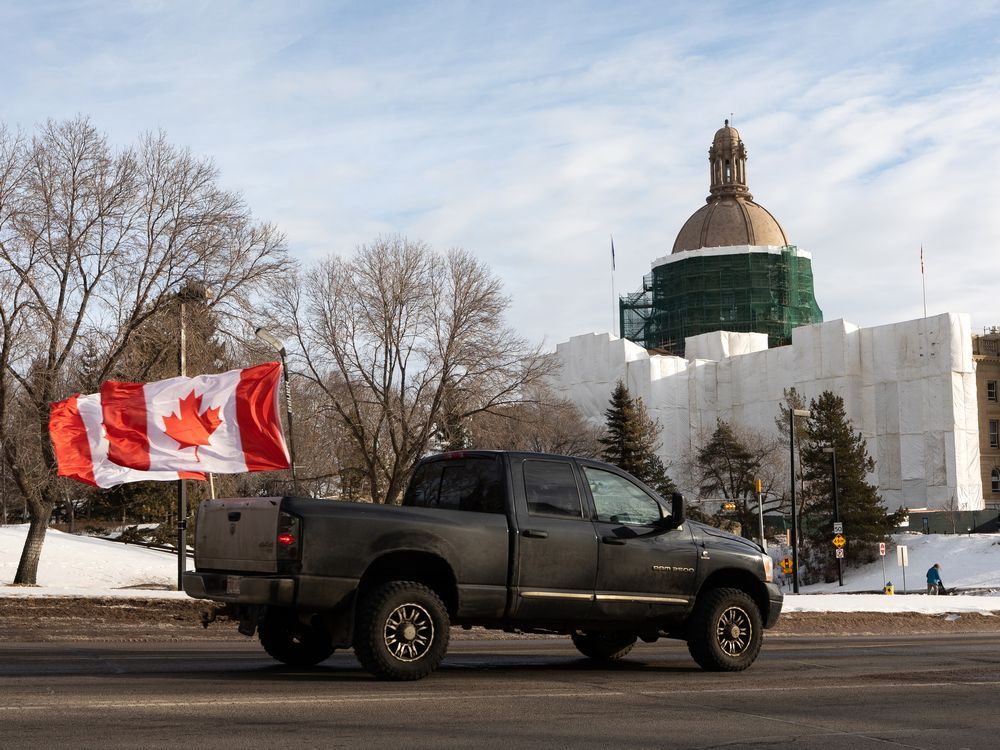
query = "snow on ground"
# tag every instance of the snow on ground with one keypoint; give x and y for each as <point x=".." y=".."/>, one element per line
<point x="83" y="566"/>
<point x="86" y="564"/>
<point x="967" y="561"/>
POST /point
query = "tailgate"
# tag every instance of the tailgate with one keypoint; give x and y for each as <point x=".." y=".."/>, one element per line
<point x="237" y="534"/>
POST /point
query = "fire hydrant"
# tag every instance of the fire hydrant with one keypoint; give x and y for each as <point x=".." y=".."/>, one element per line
<point x="889" y="590"/>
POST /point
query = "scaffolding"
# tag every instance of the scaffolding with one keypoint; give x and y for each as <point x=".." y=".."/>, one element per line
<point x="759" y="292"/>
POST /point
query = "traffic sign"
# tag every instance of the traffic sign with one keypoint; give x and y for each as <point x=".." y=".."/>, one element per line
<point x="786" y="565"/>
<point x="840" y="552"/>
<point x="838" y="527"/>
<point x="839" y="540"/>
<point x="901" y="556"/>
<point x="881" y="549"/>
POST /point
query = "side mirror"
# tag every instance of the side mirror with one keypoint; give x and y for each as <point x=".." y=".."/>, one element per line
<point x="677" y="508"/>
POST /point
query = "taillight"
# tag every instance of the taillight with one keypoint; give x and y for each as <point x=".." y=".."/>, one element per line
<point x="289" y="527"/>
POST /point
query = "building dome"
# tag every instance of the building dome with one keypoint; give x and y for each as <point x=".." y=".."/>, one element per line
<point x="730" y="221"/>
<point x="731" y="216"/>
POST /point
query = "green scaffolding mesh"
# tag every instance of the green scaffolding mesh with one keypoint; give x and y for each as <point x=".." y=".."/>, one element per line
<point x="759" y="292"/>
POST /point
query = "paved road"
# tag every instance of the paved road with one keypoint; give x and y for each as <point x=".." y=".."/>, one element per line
<point x="905" y="691"/>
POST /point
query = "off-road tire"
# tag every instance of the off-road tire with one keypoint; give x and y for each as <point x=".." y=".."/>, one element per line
<point x="725" y="631"/>
<point x="604" y="646"/>
<point x="292" y="642"/>
<point x="401" y="632"/>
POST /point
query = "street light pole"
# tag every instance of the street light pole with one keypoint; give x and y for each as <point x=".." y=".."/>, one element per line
<point x="836" y="504"/>
<point x="275" y="343"/>
<point x="792" y="414"/>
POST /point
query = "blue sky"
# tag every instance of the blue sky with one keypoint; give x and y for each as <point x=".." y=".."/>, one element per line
<point x="528" y="133"/>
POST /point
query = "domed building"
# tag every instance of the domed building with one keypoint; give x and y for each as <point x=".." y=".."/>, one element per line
<point x="732" y="268"/>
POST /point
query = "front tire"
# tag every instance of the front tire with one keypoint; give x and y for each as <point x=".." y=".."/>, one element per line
<point x="292" y="642"/>
<point x="604" y="646"/>
<point x="402" y="631"/>
<point x="726" y="631"/>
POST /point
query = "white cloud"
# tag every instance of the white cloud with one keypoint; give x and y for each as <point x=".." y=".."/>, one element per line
<point x="528" y="133"/>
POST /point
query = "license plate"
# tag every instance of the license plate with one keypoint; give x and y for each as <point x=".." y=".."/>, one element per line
<point x="233" y="585"/>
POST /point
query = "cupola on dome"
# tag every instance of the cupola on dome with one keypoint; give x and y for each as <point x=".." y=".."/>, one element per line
<point x="731" y="217"/>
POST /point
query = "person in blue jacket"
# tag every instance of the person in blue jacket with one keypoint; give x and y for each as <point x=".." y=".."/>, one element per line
<point x="934" y="585"/>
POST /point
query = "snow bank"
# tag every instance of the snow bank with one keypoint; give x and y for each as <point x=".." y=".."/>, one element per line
<point x="87" y="564"/>
<point x="930" y="605"/>
<point x="967" y="561"/>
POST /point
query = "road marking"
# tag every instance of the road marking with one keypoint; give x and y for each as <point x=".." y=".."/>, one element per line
<point x="451" y="697"/>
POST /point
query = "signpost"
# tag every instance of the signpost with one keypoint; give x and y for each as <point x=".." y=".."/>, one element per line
<point x="881" y="554"/>
<point x="760" y="510"/>
<point x="903" y="559"/>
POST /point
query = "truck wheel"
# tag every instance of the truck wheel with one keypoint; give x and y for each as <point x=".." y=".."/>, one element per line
<point x="402" y="631"/>
<point x="604" y="646"/>
<point x="725" y="631"/>
<point x="292" y="642"/>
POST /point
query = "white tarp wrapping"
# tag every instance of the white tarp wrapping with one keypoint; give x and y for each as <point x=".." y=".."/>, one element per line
<point x="908" y="387"/>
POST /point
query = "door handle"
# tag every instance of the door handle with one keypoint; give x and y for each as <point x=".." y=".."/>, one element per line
<point x="536" y="533"/>
<point x="612" y="540"/>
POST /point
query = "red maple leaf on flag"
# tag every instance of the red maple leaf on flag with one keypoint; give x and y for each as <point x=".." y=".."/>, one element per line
<point x="192" y="427"/>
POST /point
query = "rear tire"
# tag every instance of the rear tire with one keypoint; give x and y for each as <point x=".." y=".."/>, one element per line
<point x="604" y="646"/>
<point x="292" y="642"/>
<point x="726" y="631"/>
<point x="402" y="631"/>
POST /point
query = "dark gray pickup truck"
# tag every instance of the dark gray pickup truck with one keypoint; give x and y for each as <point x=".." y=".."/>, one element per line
<point x="523" y="542"/>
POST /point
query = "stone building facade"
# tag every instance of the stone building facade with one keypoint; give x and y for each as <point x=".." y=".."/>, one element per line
<point x="986" y="355"/>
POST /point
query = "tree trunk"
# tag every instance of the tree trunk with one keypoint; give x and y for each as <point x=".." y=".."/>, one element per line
<point x="27" y="568"/>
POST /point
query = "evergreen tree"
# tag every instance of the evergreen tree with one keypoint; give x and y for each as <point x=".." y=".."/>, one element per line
<point x="862" y="512"/>
<point x="632" y="439"/>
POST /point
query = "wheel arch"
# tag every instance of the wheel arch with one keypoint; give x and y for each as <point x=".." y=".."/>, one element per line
<point x="744" y="580"/>
<point x="413" y="565"/>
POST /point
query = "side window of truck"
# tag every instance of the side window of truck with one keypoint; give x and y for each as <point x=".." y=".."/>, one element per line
<point x="472" y="484"/>
<point x="617" y="500"/>
<point x="550" y="489"/>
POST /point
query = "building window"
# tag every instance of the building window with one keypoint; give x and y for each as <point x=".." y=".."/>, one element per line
<point x="991" y="390"/>
<point x="995" y="433"/>
<point x="995" y="476"/>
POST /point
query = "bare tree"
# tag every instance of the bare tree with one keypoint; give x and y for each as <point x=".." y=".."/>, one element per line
<point x="730" y="461"/>
<point x="392" y="332"/>
<point x="543" y="423"/>
<point x="93" y="243"/>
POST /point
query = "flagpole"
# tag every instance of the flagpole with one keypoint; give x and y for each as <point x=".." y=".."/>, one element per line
<point x="614" y="297"/>
<point x="181" y="485"/>
<point x="923" y="278"/>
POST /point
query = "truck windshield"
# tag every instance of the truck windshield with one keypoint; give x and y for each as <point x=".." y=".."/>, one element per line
<point x="474" y="483"/>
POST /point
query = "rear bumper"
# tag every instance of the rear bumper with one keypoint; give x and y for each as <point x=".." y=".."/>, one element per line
<point x="237" y="589"/>
<point x="775" y="599"/>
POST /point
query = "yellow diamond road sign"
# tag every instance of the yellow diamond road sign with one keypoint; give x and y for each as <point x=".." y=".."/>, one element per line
<point x="839" y="540"/>
<point x="786" y="565"/>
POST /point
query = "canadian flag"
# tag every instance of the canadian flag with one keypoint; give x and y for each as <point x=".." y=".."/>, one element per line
<point x="82" y="448"/>
<point x="225" y="424"/>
